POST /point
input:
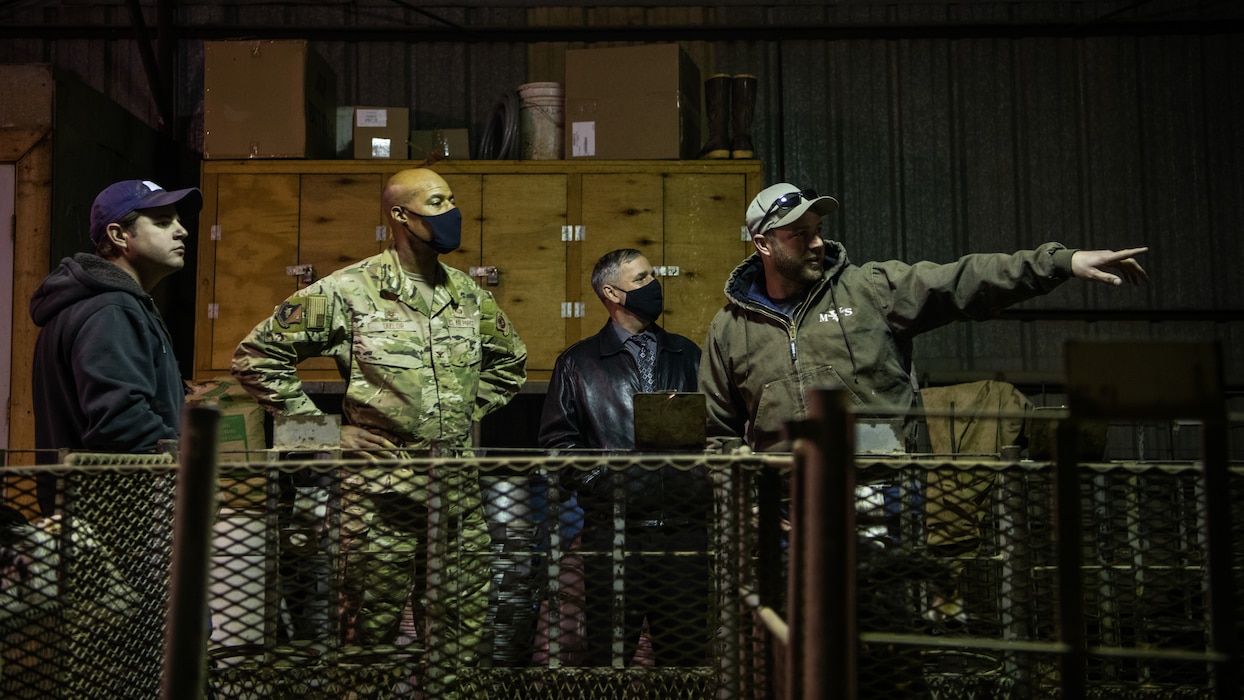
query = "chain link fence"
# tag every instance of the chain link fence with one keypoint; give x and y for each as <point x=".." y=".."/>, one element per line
<point x="528" y="575"/>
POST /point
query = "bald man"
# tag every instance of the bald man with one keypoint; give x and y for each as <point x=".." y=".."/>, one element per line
<point x="424" y="352"/>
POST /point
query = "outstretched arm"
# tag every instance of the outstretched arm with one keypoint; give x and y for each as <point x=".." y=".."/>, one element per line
<point x="1109" y="266"/>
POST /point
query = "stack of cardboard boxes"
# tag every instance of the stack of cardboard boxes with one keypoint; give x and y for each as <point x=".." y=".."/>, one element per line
<point x="277" y="99"/>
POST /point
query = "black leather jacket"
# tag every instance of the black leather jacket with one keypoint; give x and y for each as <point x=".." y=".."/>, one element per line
<point x="590" y="405"/>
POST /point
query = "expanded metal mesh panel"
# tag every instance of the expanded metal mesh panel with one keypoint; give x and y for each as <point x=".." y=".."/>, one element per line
<point x="84" y="592"/>
<point x="618" y="576"/>
<point x="958" y="592"/>
<point x="517" y="576"/>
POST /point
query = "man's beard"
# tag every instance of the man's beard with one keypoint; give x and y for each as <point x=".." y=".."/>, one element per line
<point x="800" y="270"/>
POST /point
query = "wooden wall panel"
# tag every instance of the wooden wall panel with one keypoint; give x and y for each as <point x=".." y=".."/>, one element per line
<point x="31" y="150"/>
<point x="258" y="219"/>
<point x="469" y="196"/>
<point x="338" y="217"/>
<point x="527" y="248"/>
<point x="703" y="239"/>
<point x="619" y="211"/>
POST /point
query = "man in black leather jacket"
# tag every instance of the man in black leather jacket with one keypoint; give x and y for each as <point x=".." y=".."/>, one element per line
<point x="590" y="406"/>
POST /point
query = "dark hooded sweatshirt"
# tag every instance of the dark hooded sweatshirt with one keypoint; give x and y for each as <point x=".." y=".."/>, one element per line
<point x="853" y="330"/>
<point x="105" y="378"/>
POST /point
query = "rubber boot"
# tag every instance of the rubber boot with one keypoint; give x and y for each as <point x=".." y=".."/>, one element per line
<point x="744" y="99"/>
<point x="717" y="107"/>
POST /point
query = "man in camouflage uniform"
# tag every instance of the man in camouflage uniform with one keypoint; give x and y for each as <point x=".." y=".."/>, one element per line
<point x="425" y="351"/>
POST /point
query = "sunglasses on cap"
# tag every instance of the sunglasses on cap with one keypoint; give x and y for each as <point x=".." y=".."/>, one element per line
<point x="788" y="201"/>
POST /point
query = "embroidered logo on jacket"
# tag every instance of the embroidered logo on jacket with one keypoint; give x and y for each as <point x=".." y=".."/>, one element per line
<point x="833" y="315"/>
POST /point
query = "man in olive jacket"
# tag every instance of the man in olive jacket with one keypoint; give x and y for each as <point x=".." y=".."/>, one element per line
<point x="800" y="315"/>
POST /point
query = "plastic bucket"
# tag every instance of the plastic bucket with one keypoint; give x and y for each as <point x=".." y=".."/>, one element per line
<point x="540" y="121"/>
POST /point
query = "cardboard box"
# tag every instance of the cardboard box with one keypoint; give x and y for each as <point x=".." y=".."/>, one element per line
<point x="381" y="132"/>
<point x="440" y="143"/>
<point x="240" y="436"/>
<point x="632" y="102"/>
<point x="267" y="99"/>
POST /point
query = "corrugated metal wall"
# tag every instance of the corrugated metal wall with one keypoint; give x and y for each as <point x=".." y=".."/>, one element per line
<point x="939" y="141"/>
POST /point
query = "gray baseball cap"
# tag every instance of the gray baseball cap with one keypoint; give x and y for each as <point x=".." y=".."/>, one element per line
<point x="780" y="204"/>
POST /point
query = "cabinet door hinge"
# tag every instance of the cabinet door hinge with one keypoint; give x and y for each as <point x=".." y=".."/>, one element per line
<point x="382" y="233"/>
<point x="573" y="309"/>
<point x="573" y="233"/>
<point x="213" y="310"/>
<point x="744" y="234"/>
<point x="215" y="232"/>
<point x="666" y="271"/>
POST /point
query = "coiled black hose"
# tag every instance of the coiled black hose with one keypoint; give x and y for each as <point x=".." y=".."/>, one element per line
<point x="500" y="139"/>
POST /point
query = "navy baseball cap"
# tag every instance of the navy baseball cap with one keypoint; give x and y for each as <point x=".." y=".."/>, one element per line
<point x="121" y="198"/>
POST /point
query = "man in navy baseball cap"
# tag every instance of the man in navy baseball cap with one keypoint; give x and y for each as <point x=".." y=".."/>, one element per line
<point x="105" y="377"/>
<point x="123" y="198"/>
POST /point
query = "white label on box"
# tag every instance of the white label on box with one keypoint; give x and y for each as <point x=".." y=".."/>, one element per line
<point x="583" y="135"/>
<point x="372" y="117"/>
<point x="381" y="148"/>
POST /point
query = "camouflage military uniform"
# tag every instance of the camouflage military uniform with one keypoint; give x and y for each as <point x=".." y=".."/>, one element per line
<point x="419" y="376"/>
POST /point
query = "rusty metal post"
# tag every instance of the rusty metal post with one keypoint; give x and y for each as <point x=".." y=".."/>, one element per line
<point x="185" y="641"/>
<point x="823" y="652"/>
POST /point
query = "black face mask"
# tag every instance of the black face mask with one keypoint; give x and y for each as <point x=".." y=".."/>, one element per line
<point x="446" y="230"/>
<point x="646" y="302"/>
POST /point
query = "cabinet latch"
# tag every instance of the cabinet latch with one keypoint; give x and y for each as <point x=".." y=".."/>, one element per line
<point x="490" y="273"/>
<point x="573" y="233"/>
<point x="572" y="309"/>
<point x="666" y="270"/>
<point x="306" y="272"/>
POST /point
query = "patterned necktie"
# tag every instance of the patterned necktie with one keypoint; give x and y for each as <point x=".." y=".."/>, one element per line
<point x="645" y="364"/>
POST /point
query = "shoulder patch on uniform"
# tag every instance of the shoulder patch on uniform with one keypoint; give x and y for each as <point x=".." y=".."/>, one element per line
<point x="503" y="325"/>
<point x="309" y="314"/>
<point x="288" y="315"/>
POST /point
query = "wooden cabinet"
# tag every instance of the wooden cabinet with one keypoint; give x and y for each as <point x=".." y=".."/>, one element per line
<point x="532" y="230"/>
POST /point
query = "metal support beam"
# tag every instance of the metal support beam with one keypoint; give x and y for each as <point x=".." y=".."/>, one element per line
<point x="421" y="34"/>
<point x="155" y="79"/>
